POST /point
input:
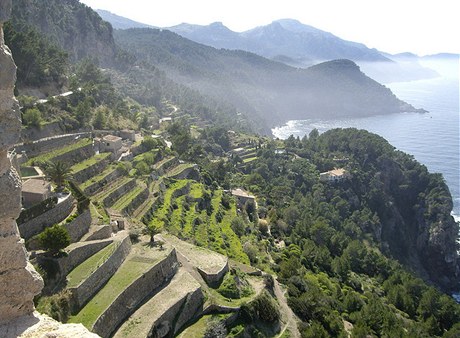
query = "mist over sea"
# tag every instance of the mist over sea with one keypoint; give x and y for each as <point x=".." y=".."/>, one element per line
<point x="432" y="138"/>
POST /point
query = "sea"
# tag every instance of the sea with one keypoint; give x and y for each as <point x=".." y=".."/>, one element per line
<point x="433" y="138"/>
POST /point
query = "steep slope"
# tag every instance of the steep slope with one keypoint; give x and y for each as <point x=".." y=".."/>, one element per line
<point x="270" y="91"/>
<point x="71" y="25"/>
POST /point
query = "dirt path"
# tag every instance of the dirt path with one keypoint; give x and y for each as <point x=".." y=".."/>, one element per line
<point x="288" y="317"/>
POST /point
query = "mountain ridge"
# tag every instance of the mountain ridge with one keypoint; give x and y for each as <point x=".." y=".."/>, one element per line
<point x="271" y="90"/>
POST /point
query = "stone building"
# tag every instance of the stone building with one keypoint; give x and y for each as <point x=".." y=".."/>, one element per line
<point x="242" y="197"/>
<point x="336" y="175"/>
<point x="34" y="191"/>
<point x="111" y="143"/>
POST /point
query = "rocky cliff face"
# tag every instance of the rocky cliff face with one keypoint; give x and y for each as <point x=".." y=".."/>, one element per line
<point x="19" y="282"/>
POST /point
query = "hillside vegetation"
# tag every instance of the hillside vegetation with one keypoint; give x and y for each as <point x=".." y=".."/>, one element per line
<point x="372" y="252"/>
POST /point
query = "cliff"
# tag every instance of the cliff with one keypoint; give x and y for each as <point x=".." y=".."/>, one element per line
<point x="71" y="25"/>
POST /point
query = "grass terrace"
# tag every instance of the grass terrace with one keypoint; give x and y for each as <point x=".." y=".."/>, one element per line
<point x="137" y="263"/>
<point x="89" y="162"/>
<point x="115" y="185"/>
<point x="126" y="199"/>
<point x="85" y="269"/>
<point x="99" y="177"/>
<point x="52" y="154"/>
<point x="177" y="170"/>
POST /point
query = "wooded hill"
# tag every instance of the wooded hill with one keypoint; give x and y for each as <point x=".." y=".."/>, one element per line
<point x="153" y="65"/>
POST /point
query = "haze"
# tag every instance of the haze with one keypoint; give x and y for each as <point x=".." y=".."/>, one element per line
<point x="393" y="26"/>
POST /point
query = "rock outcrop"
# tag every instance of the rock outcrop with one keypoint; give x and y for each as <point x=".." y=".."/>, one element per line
<point x="19" y="282"/>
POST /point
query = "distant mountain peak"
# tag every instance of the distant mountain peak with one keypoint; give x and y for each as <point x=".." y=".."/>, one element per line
<point x="119" y="22"/>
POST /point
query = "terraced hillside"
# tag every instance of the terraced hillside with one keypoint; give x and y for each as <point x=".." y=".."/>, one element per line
<point x="123" y="285"/>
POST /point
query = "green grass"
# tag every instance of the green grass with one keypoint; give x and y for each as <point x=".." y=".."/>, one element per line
<point x="114" y="186"/>
<point x="217" y="236"/>
<point x="177" y="170"/>
<point x="52" y="154"/>
<point x="126" y="274"/>
<point x="85" y="269"/>
<point x="127" y="198"/>
<point x="163" y="211"/>
<point x="111" y="168"/>
<point x="89" y="162"/>
<point x="250" y="159"/>
<point x="99" y="214"/>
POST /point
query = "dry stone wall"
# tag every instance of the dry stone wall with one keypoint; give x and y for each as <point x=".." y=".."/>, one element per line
<point x="83" y="292"/>
<point x="134" y="294"/>
<point x="47" y="219"/>
<point x="117" y="193"/>
<point x="136" y="202"/>
<point x="35" y="148"/>
<point x="19" y="282"/>
<point x="80" y="253"/>
<point x="77" y="155"/>
<point x="99" y="185"/>
<point x="79" y="226"/>
<point x="91" y="171"/>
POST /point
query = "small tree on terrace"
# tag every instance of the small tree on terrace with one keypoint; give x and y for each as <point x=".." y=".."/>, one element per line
<point x="152" y="230"/>
<point x="54" y="239"/>
<point x="58" y="172"/>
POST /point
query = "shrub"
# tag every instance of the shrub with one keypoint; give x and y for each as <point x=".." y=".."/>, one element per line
<point x="54" y="239"/>
<point x="228" y="288"/>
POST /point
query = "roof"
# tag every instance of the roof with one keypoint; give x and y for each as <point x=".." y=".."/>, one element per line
<point x="241" y="193"/>
<point x="36" y="186"/>
<point x="335" y="172"/>
<point x="111" y="138"/>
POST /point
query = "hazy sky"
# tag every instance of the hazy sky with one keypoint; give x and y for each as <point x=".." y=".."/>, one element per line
<point x="394" y="26"/>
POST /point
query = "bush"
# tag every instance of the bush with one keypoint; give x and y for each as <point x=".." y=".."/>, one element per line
<point x="54" y="239"/>
<point x="266" y="308"/>
<point x="32" y="117"/>
<point x="228" y="288"/>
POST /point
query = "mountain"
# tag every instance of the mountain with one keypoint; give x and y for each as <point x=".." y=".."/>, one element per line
<point x="158" y="64"/>
<point x="285" y="37"/>
<point x="270" y="91"/>
<point x="119" y="22"/>
<point x="299" y="45"/>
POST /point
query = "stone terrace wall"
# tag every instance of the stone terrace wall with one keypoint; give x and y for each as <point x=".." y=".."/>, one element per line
<point x="79" y="254"/>
<point x="83" y="292"/>
<point x="47" y="219"/>
<point x="38" y="147"/>
<point x="79" y="226"/>
<point x="117" y="193"/>
<point x="127" y="302"/>
<point x="19" y="282"/>
<point x="136" y="202"/>
<point x="77" y="155"/>
<point x="91" y="171"/>
<point x="97" y="186"/>
<point x="213" y="278"/>
<point x="193" y="306"/>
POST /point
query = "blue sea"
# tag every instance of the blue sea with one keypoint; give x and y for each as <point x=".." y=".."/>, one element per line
<point x="433" y="138"/>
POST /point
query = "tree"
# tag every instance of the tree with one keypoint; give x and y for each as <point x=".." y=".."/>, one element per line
<point x="152" y="230"/>
<point x="32" y="117"/>
<point x="58" y="172"/>
<point x="54" y="239"/>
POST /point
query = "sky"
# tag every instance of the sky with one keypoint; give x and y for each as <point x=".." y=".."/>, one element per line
<point x="394" y="26"/>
